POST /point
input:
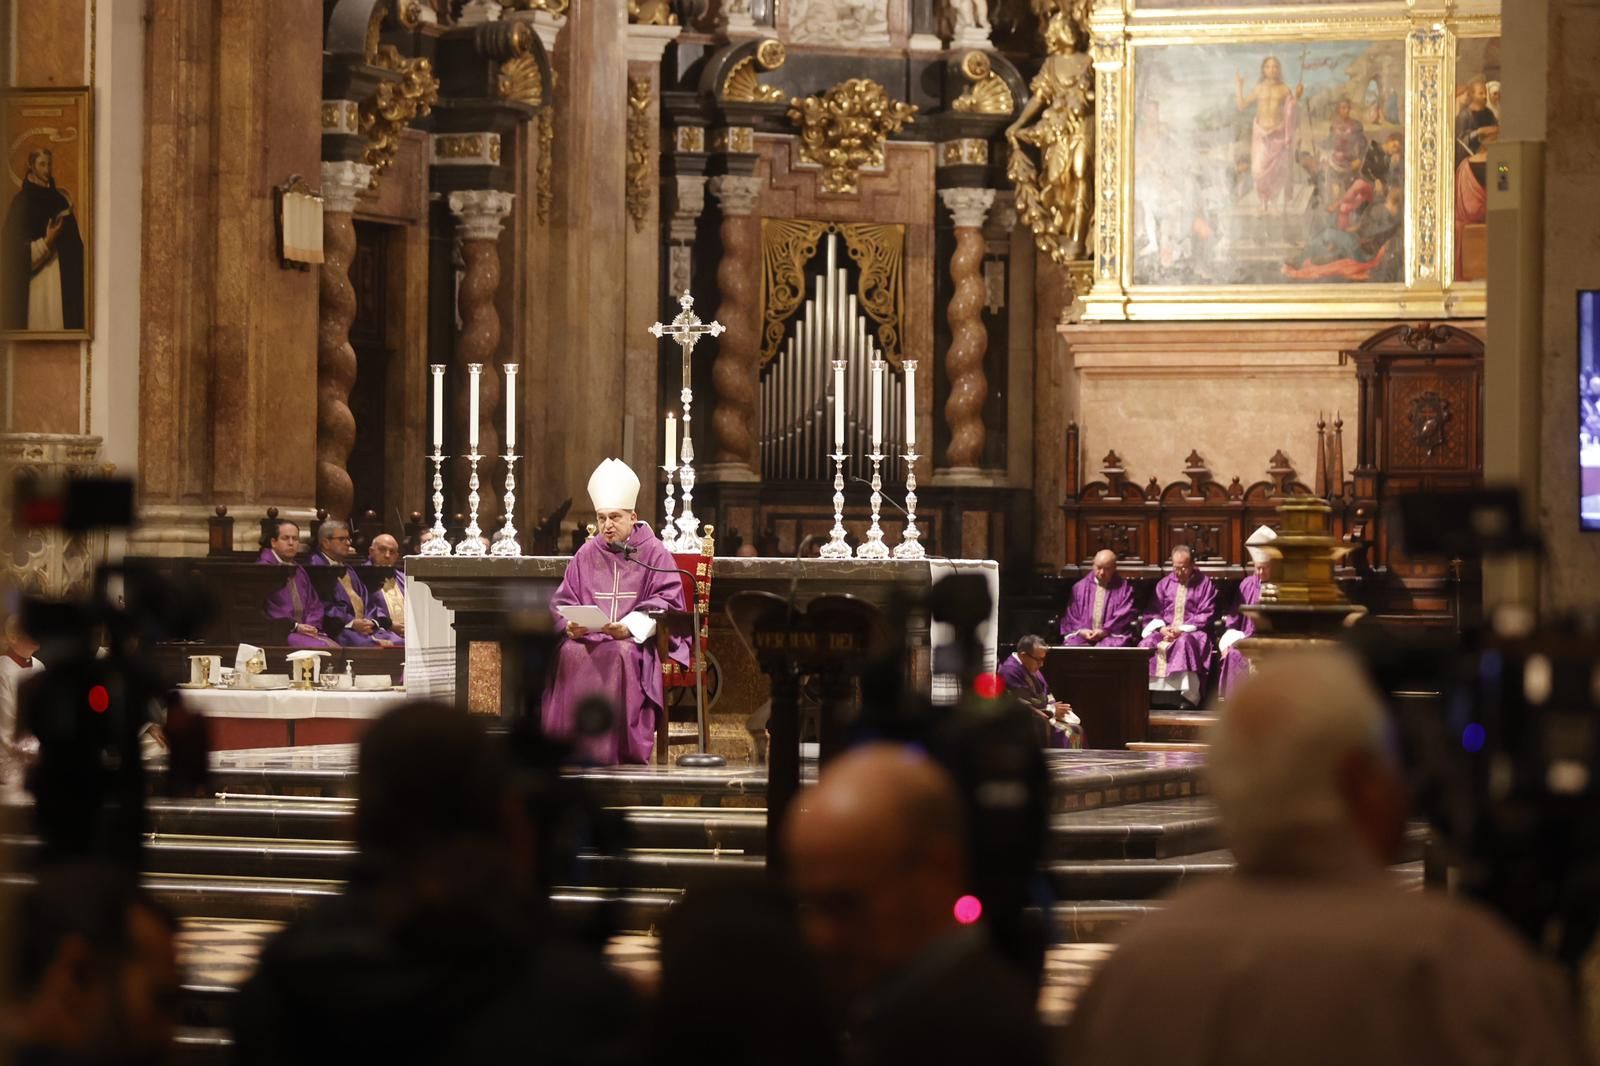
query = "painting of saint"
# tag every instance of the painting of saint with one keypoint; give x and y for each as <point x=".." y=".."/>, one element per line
<point x="44" y="233"/>
<point x="1263" y="165"/>
<point x="1477" y="125"/>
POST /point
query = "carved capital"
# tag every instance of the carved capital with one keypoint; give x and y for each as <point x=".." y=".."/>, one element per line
<point x="342" y="182"/>
<point x="968" y="206"/>
<point x="341" y="116"/>
<point x="481" y="213"/>
<point x="688" y="203"/>
<point x="736" y="194"/>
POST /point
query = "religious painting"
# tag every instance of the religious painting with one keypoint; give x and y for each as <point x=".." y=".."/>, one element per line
<point x="46" y="275"/>
<point x="1269" y="163"/>
<point x="1209" y="5"/>
<point x="1476" y="125"/>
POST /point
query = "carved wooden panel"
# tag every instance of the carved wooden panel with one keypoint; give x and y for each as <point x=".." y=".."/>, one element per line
<point x="1124" y="538"/>
<point x="1205" y="537"/>
<point x="1433" y="415"/>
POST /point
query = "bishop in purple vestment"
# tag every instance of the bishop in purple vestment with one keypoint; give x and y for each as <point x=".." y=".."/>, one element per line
<point x="363" y="618"/>
<point x="618" y="662"/>
<point x="1187" y="601"/>
<point x="296" y="604"/>
<point x="1235" y="667"/>
<point x="1100" y="611"/>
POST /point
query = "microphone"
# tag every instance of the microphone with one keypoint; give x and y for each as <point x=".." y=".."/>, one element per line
<point x="887" y="498"/>
<point x="629" y="551"/>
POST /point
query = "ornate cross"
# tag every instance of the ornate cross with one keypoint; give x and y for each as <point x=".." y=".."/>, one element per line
<point x="616" y="595"/>
<point x="687" y="329"/>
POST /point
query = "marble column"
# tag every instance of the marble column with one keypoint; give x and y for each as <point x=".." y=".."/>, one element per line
<point x="480" y="215"/>
<point x="342" y="183"/>
<point x="736" y="371"/>
<point x="969" y="340"/>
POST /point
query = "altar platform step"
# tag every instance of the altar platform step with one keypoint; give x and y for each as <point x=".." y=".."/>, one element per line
<point x="1168" y="746"/>
<point x="1181" y="726"/>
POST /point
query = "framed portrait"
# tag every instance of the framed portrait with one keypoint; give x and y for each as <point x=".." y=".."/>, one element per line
<point x="1475" y="124"/>
<point x="46" y="277"/>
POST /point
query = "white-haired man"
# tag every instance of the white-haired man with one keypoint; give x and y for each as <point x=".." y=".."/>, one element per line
<point x="1311" y="953"/>
<point x="619" y="572"/>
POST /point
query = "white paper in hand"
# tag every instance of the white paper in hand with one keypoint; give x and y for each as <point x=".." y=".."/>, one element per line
<point x="585" y="615"/>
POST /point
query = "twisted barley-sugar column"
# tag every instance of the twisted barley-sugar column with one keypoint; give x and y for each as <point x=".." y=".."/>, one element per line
<point x="336" y="360"/>
<point x="969" y="340"/>
<point x="481" y="215"/>
<point x="735" y="373"/>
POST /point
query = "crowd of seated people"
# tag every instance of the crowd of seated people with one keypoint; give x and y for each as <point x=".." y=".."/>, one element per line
<point x="351" y="616"/>
<point x="1178" y="623"/>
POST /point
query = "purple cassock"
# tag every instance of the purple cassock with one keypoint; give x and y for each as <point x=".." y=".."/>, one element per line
<point x="626" y="672"/>
<point x="295" y="603"/>
<point x="1092" y="606"/>
<point x="1194" y="605"/>
<point x="1031" y="689"/>
<point x="1235" y="667"/>
<point x="351" y="601"/>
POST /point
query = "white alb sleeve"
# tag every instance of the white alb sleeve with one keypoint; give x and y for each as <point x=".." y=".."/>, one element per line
<point x="641" y="625"/>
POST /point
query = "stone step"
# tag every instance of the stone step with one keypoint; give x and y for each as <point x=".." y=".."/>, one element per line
<point x="1180" y="726"/>
<point x="1132" y="879"/>
<point x="1150" y="830"/>
<point x="1167" y="746"/>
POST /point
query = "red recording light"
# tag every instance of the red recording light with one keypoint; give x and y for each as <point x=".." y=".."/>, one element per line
<point x="99" y="699"/>
<point x="968" y="909"/>
<point x="989" y="686"/>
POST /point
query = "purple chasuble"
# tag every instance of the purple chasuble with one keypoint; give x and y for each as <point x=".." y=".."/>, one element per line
<point x="296" y="602"/>
<point x="1116" y="613"/>
<point x="1235" y="667"/>
<point x="351" y="601"/>
<point x="1193" y="604"/>
<point x="624" y="672"/>
<point x="1032" y="689"/>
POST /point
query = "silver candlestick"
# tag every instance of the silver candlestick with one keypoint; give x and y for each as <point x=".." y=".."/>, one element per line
<point x="836" y="548"/>
<point x="437" y="544"/>
<point x="669" y="530"/>
<point x="470" y="545"/>
<point x="910" y="546"/>
<point x="874" y="547"/>
<point x="505" y="541"/>
<point x="688" y="525"/>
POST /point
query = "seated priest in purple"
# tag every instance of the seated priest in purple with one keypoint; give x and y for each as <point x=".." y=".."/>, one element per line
<point x="1186" y="601"/>
<point x="616" y="662"/>
<point x="296" y="604"/>
<point x="1100" y="610"/>
<point x="1235" y="667"/>
<point x="1022" y="675"/>
<point x="385" y="551"/>
<point x="363" y="617"/>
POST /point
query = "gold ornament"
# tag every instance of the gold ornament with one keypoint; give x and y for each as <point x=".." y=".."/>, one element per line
<point x="844" y="129"/>
<point x="638" y="172"/>
<point x="878" y="249"/>
<point x="1054" y="196"/>
<point x="989" y="94"/>
<point x="741" y="86"/>
<point x="396" y="103"/>
<point x="520" y="81"/>
<point x="651" y="13"/>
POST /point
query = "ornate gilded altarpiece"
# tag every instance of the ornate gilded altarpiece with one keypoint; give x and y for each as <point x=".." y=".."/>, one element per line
<point x="1290" y="159"/>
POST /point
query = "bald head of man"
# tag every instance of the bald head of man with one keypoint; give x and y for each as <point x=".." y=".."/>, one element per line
<point x="1105" y="567"/>
<point x="384" y="551"/>
<point x="1300" y="760"/>
<point x="878" y="859"/>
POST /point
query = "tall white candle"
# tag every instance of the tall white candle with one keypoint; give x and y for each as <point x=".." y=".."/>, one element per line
<point x="838" y="406"/>
<point x="671" y="457"/>
<point x="438" y="405"/>
<point x="511" y="408"/>
<point x="475" y="372"/>
<point x="910" y="368"/>
<point x="877" y="404"/>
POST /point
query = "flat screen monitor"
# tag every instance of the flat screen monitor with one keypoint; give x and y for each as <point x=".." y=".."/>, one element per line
<point x="1589" y="409"/>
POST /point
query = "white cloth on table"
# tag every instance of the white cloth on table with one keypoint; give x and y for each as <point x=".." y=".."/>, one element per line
<point x="430" y="643"/>
<point x="290" y="703"/>
<point x="1185" y="683"/>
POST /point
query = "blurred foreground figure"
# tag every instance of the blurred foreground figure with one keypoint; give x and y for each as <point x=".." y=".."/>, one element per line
<point x="1311" y="953"/>
<point x="437" y="951"/>
<point x="877" y="854"/>
<point x="95" y="974"/>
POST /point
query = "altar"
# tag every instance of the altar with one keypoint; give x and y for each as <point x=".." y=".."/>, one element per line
<point x="459" y="611"/>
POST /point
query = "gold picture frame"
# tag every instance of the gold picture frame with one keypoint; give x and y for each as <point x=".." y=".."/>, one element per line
<point x="1418" y="40"/>
<point x="46" y="217"/>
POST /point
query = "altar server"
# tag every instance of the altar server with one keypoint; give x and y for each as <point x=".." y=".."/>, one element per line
<point x="1100" y="610"/>
<point x="1186" y="602"/>
<point x="1235" y="667"/>
<point x="617" y="661"/>
<point x="297" y="602"/>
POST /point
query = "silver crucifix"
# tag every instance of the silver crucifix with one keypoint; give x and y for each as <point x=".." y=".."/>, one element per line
<point x="686" y="329"/>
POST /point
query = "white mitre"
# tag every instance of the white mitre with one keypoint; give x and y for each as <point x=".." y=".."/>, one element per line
<point x="613" y="486"/>
<point x="1256" y="542"/>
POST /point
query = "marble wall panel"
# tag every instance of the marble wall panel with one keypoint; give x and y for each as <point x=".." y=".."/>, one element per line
<point x="51" y="42"/>
<point x="45" y="383"/>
